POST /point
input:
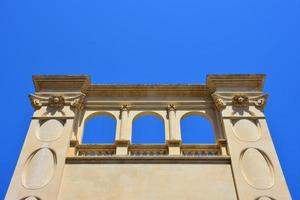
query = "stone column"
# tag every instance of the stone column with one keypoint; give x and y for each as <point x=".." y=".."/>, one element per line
<point x="174" y="136"/>
<point x="40" y="166"/>
<point x="256" y="169"/>
<point x="122" y="142"/>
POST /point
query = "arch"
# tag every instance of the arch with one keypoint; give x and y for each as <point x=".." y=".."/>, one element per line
<point x="148" y="128"/>
<point x="99" y="128"/>
<point x="197" y="128"/>
<point x="99" y="113"/>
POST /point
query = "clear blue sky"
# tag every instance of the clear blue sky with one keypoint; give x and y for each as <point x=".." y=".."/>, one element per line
<point x="138" y="41"/>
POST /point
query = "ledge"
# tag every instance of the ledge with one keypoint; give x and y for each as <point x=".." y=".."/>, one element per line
<point x="147" y="159"/>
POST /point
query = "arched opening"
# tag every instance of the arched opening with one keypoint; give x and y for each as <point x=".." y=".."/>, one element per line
<point x="100" y="130"/>
<point x="148" y="129"/>
<point x="196" y="129"/>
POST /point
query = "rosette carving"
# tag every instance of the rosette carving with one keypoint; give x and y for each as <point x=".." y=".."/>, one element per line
<point x="56" y="101"/>
<point x="240" y="101"/>
<point x="261" y="101"/>
<point x="35" y="102"/>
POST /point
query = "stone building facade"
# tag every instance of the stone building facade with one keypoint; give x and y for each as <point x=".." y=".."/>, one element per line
<point x="55" y="164"/>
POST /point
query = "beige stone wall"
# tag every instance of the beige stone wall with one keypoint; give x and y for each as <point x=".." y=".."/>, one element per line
<point x="242" y="164"/>
<point x="147" y="182"/>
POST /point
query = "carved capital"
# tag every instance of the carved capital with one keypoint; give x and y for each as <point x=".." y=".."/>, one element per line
<point x="171" y="107"/>
<point x="56" y="101"/>
<point x="78" y="103"/>
<point x="219" y="102"/>
<point x="124" y="107"/>
<point x="240" y="101"/>
<point x="35" y="102"/>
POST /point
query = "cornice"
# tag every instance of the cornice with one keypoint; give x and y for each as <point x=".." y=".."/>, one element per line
<point x="54" y="83"/>
<point x="50" y="84"/>
<point x="236" y="82"/>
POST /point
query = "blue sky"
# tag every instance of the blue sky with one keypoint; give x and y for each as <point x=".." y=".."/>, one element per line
<point x="138" y="41"/>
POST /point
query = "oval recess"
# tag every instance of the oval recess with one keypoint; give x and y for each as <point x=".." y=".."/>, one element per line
<point x="246" y="130"/>
<point x="264" y="198"/>
<point x="39" y="168"/>
<point x="257" y="168"/>
<point x="50" y="130"/>
<point x="31" y="198"/>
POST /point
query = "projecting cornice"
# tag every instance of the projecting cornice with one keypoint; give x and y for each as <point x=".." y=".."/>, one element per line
<point x="61" y="83"/>
<point x="81" y="83"/>
<point x="236" y="82"/>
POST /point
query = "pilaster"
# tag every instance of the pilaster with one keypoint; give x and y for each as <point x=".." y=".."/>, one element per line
<point x="41" y="163"/>
<point x="255" y="166"/>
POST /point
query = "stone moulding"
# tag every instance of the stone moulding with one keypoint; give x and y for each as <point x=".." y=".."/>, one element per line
<point x="148" y="160"/>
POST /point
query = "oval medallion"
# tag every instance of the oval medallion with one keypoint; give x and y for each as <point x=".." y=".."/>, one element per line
<point x="31" y="198"/>
<point x="50" y="130"/>
<point x="257" y="168"/>
<point x="39" y="168"/>
<point x="264" y="198"/>
<point x="246" y="130"/>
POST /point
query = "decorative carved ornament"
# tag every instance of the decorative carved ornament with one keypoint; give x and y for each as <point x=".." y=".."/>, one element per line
<point x="240" y="101"/>
<point x="171" y="107"/>
<point x="78" y="102"/>
<point x="36" y="103"/>
<point x="125" y="107"/>
<point x="219" y="102"/>
<point x="261" y="102"/>
<point x="57" y="101"/>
